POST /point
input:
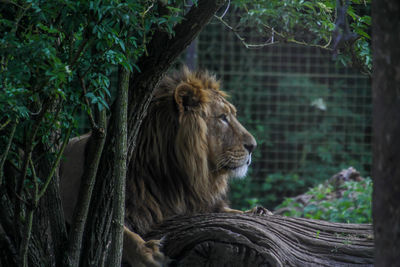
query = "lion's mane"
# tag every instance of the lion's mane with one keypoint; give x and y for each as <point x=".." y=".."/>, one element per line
<point x="169" y="173"/>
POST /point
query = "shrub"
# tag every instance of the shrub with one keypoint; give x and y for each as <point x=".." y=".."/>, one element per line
<point x="349" y="203"/>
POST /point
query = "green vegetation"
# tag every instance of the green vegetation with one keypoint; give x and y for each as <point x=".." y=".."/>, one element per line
<point x="246" y="193"/>
<point x="58" y="59"/>
<point x="350" y="203"/>
<point x="63" y="54"/>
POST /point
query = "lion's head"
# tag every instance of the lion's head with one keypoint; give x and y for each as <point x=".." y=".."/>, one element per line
<point x="189" y="144"/>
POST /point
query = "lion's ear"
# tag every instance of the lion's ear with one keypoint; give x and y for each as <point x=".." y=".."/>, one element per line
<point x="188" y="97"/>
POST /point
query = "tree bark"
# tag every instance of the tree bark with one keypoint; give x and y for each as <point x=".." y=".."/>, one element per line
<point x="222" y="239"/>
<point x="120" y="170"/>
<point x="386" y="125"/>
<point x="94" y="148"/>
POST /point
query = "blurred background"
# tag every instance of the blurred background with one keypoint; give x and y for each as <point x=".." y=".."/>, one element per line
<point x="310" y="114"/>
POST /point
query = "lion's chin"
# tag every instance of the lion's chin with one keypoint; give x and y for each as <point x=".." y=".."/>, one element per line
<point x="239" y="172"/>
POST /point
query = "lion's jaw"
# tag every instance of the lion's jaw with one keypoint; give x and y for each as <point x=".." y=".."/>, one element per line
<point x="241" y="171"/>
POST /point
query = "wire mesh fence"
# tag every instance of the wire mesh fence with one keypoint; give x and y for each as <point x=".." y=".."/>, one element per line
<point x="310" y="116"/>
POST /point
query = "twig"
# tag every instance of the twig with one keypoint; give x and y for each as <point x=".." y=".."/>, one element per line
<point x="292" y="40"/>
<point x="78" y="53"/>
<point x="28" y="231"/>
<point x="90" y="113"/>
<point x="5" y="124"/>
<point x="4" y="156"/>
<point x="26" y="239"/>
<point x="20" y="16"/>
<point x="29" y="145"/>
<point x="35" y="183"/>
<point x="11" y="2"/>
<point x="247" y="45"/>
<point x="271" y="41"/>
<point x="57" y="161"/>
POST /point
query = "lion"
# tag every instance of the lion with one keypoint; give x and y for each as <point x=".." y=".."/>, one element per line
<point x="189" y="145"/>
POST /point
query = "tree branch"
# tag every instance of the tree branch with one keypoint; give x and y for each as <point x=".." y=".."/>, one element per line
<point x="120" y="169"/>
<point x="271" y="41"/>
<point x="95" y="148"/>
<point x="56" y="162"/>
<point x="4" y="156"/>
<point x="223" y="239"/>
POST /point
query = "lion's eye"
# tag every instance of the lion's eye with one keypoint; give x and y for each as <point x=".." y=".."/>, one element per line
<point x="224" y="118"/>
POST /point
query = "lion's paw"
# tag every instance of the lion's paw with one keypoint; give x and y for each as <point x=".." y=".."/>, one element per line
<point x="152" y="256"/>
<point x="140" y="253"/>
<point x="258" y="210"/>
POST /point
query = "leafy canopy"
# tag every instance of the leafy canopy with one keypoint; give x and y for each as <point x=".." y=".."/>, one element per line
<point x="57" y="59"/>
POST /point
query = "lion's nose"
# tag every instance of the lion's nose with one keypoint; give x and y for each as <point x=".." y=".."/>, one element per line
<point x="250" y="147"/>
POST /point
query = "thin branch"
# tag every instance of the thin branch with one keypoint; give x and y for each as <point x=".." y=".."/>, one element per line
<point x="8" y="246"/>
<point x="11" y="2"/>
<point x="5" y="124"/>
<point x="292" y="40"/>
<point x="95" y="148"/>
<point x="29" y="145"/>
<point x="241" y="39"/>
<point x="271" y="41"/>
<point x="57" y="161"/>
<point x="81" y="48"/>
<point x="28" y="230"/>
<point x="35" y="184"/>
<point x="26" y="238"/>
<point x="143" y="15"/>
<point x="4" y="156"/>
<point x="20" y="16"/>
<point x="26" y="203"/>
<point x="90" y="113"/>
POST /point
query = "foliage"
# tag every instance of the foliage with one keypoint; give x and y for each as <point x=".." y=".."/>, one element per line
<point x="353" y="205"/>
<point x="308" y="23"/>
<point x="55" y="53"/>
<point x="57" y="59"/>
<point x="246" y="194"/>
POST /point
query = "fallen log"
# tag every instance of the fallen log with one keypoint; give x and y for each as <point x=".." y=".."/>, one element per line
<point x="253" y="240"/>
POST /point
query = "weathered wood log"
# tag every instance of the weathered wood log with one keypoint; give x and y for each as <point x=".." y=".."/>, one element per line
<point x="252" y="240"/>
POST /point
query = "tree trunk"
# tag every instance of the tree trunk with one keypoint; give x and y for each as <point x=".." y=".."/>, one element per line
<point x="386" y="125"/>
<point x="120" y="170"/>
<point x="251" y="240"/>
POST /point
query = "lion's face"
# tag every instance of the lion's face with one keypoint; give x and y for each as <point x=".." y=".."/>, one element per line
<point x="208" y="122"/>
<point x="230" y="144"/>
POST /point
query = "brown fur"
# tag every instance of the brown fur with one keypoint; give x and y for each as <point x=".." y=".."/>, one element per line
<point x="189" y="144"/>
